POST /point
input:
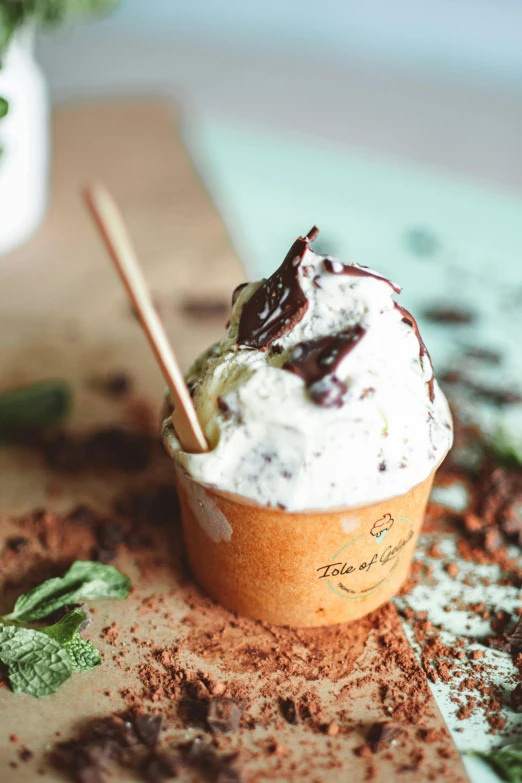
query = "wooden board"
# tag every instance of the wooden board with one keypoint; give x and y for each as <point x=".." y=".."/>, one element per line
<point x="63" y="314"/>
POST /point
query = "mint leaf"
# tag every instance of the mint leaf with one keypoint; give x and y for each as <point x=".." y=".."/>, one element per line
<point x="36" y="663"/>
<point x="4" y="107"/>
<point x="507" y="761"/>
<point x="83" y="654"/>
<point x="35" y="406"/>
<point x="84" y="581"/>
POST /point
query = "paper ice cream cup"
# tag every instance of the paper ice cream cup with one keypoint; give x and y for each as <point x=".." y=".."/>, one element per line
<point x="299" y="569"/>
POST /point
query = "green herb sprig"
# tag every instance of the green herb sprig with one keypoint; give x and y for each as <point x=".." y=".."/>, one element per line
<point x="45" y="13"/>
<point x="84" y="581"/>
<point x="39" y="661"/>
<point x="506" y="761"/>
<point x="33" y="407"/>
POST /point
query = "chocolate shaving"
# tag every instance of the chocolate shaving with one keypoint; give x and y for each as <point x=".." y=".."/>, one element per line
<point x="223" y="714"/>
<point x="278" y="304"/>
<point x="336" y="267"/>
<point x="381" y="733"/>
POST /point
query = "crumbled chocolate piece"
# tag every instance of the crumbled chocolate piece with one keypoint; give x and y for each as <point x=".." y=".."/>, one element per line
<point x="289" y="711"/>
<point x="17" y="544"/>
<point x="147" y="728"/>
<point x="486" y="355"/>
<point x="332" y="729"/>
<point x="278" y="304"/>
<point x="114" y="384"/>
<point x="329" y="392"/>
<point x="114" y="729"/>
<point x="224" y="407"/>
<point x="161" y="767"/>
<point x="223" y="714"/>
<point x="381" y="733"/>
<point x="442" y="314"/>
<point x="207" y="308"/>
<point x="516" y="698"/>
<point x="109" y="447"/>
<point x="110" y="535"/>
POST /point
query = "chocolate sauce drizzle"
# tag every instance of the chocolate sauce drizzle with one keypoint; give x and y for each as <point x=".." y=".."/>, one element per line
<point x="423" y="351"/>
<point x="278" y="304"/>
<point x="336" y="267"/>
<point x="315" y="361"/>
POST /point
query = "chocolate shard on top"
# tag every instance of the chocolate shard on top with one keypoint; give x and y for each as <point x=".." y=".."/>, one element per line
<point x="278" y="304"/>
<point x="336" y="267"/>
<point x="312" y="360"/>
<point x="316" y="361"/>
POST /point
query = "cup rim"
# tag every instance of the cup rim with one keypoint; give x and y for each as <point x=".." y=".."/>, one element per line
<point x="240" y="500"/>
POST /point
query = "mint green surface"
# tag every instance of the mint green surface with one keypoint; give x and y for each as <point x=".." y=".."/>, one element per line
<point x="270" y="188"/>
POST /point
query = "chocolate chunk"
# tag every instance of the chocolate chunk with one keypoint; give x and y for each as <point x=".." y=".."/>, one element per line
<point x="224" y="407"/>
<point x="147" y="728"/>
<point x="289" y="711"/>
<point x="328" y="392"/>
<point x="516" y="698"/>
<point x="17" y="544"/>
<point x="510" y="643"/>
<point x="223" y="714"/>
<point x="336" y="267"/>
<point x="161" y="767"/>
<point x="207" y="308"/>
<point x="278" y="304"/>
<point x="109" y="535"/>
<point x="116" y="730"/>
<point x="442" y="314"/>
<point x="313" y="360"/>
<point x="115" y="384"/>
<point x="381" y="733"/>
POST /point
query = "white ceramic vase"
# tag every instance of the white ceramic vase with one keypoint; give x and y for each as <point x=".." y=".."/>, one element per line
<point x="24" y="142"/>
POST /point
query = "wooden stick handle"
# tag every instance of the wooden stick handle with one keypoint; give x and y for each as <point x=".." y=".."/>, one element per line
<point x="114" y="232"/>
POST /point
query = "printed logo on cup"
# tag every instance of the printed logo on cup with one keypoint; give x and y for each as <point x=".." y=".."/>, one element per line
<point x="365" y="562"/>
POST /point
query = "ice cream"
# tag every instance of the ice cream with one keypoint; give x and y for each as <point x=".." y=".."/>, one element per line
<point x="321" y="394"/>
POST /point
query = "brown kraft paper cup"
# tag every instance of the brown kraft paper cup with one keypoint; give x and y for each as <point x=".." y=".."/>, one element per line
<point x="299" y="569"/>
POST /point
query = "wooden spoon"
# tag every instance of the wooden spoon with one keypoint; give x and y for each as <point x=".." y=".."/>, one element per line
<point x="114" y="233"/>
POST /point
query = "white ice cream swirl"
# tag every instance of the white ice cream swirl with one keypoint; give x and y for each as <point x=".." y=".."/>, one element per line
<point x="320" y="395"/>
